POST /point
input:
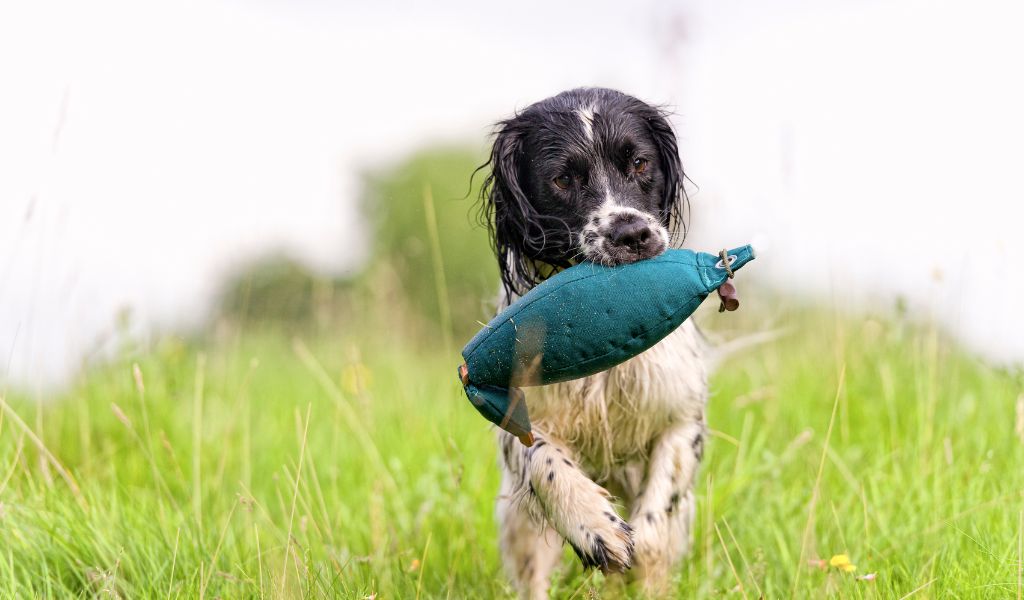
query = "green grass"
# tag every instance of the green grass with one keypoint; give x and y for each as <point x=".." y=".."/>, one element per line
<point x="348" y="465"/>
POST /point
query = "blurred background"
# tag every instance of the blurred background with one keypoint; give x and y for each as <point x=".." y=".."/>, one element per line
<point x="240" y="250"/>
<point x="164" y="165"/>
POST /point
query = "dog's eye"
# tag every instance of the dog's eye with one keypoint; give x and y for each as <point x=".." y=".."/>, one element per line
<point x="639" y="165"/>
<point x="563" y="181"/>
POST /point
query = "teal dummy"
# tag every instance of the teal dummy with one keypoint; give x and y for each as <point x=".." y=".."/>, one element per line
<point x="584" y="320"/>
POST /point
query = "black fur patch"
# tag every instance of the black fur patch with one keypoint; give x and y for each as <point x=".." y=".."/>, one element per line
<point x="600" y="557"/>
<point x="673" y="502"/>
<point x="698" y="446"/>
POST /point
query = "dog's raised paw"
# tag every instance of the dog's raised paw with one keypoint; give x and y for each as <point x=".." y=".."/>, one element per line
<point x="607" y="545"/>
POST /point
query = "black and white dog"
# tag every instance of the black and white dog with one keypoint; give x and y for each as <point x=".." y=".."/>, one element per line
<point x="594" y="175"/>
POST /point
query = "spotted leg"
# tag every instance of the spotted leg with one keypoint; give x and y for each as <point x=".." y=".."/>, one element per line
<point x="663" y="513"/>
<point x="530" y="550"/>
<point x="546" y="482"/>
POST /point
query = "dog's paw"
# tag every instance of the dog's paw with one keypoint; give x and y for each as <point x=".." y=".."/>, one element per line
<point x="605" y="542"/>
<point x="649" y="540"/>
<point x="661" y="536"/>
<point x="579" y="509"/>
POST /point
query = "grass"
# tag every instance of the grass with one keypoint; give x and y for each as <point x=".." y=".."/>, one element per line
<point x="258" y="464"/>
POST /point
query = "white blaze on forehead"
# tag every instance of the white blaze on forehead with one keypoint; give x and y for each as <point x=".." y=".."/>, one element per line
<point x="586" y="115"/>
<point x="611" y="208"/>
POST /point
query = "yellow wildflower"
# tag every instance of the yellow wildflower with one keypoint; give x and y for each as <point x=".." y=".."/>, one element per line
<point x="842" y="562"/>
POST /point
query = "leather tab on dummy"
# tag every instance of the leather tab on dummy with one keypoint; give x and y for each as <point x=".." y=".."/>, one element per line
<point x="730" y="298"/>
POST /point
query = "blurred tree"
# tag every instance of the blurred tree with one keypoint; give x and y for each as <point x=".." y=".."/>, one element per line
<point x="405" y="254"/>
<point x="278" y="289"/>
<point x="430" y="270"/>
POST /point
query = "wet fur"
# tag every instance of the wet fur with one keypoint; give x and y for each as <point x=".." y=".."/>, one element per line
<point x="629" y="439"/>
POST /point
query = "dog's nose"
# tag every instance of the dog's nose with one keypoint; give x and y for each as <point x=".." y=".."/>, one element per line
<point x="630" y="231"/>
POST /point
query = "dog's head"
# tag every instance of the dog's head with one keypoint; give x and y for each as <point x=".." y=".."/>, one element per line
<point x="590" y="174"/>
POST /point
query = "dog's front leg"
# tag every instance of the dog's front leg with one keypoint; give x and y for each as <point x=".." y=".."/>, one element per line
<point x="578" y="509"/>
<point x="663" y="513"/>
<point x="530" y="550"/>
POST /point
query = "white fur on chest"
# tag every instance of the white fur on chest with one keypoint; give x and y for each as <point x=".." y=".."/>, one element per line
<point x="613" y="417"/>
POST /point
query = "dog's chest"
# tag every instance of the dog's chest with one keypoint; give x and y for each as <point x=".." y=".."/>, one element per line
<point x="615" y="415"/>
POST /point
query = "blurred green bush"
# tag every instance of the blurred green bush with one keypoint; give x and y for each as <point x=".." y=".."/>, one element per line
<point x="275" y="288"/>
<point x="405" y="254"/>
<point x="415" y="282"/>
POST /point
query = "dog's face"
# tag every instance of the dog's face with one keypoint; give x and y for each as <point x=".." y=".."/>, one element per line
<point x="590" y="174"/>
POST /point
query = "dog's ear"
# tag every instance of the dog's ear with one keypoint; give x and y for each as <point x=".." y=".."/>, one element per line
<point x="674" y="202"/>
<point x="505" y="210"/>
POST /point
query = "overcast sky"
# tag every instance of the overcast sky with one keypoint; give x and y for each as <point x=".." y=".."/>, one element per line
<point x="145" y="147"/>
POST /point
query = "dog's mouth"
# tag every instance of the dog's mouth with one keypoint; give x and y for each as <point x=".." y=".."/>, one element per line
<point x="619" y="255"/>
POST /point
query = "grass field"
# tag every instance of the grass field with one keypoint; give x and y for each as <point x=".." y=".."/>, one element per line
<point x="257" y="464"/>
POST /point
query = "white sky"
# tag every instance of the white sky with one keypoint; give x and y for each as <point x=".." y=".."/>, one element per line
<point x="877" y="148"/>
<point x="145" y="147"/>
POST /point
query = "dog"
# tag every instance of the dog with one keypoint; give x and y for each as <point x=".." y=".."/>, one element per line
<point x="594" y="174"/>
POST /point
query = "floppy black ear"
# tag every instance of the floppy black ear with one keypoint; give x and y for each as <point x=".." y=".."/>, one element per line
<point x="674" y="202"/>
<point x="505" y="210"/>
